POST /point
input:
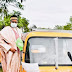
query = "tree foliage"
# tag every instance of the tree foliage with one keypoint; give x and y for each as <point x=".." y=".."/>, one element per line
<point x="69" y="25"/>
<point x="58" y="27"/>
<point x="5" y="3"/>
<point x="34" y="26"/>
<point x="65" y="27"/>
<point x="22" y="22"/>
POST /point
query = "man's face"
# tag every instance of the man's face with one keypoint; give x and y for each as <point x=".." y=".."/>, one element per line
<point x="14" y="21"/>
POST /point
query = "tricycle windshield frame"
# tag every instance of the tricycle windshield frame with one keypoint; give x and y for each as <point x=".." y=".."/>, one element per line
<point x="49" y="50"/>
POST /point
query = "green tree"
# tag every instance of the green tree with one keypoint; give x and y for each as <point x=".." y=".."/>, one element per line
<point x="34" y="26"/>
<point x="69" y="25"/>
<point x="58" y="27"/>
<point x="5" y="3"/>
<point x="1" y="25"/>
<point x="22" y="22"/>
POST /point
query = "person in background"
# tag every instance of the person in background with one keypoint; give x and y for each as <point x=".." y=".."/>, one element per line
<point x="10" y="53"/>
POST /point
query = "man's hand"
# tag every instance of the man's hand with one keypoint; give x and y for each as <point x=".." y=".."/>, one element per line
<point x="13" y="50"/>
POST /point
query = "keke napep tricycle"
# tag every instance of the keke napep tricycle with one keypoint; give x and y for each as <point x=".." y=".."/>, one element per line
<point x="51" y="49"/>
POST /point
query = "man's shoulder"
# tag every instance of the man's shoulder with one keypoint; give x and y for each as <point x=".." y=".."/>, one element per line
<point x="6" y="28"/>
<point x="19" y="30"/>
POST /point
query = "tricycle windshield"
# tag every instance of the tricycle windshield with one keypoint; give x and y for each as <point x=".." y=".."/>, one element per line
<point x="49" y="50"/>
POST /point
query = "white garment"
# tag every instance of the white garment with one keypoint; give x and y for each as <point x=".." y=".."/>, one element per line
<point x="19" y="31"/>
<point x="30" y="67"/>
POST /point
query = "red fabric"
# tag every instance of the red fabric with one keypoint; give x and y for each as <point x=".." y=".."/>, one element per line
<point x="16" y="34"/>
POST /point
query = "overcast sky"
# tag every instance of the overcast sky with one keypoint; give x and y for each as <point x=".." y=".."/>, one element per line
<point x="47" y="13"/>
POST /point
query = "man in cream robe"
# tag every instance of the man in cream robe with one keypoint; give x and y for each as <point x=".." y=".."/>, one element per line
<point x="10" y="54"/>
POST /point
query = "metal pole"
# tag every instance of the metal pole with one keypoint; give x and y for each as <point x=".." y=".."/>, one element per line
<point x="56" y="46"/>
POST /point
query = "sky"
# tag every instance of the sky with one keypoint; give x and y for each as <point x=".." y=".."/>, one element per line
<point x="47" y="13"/>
